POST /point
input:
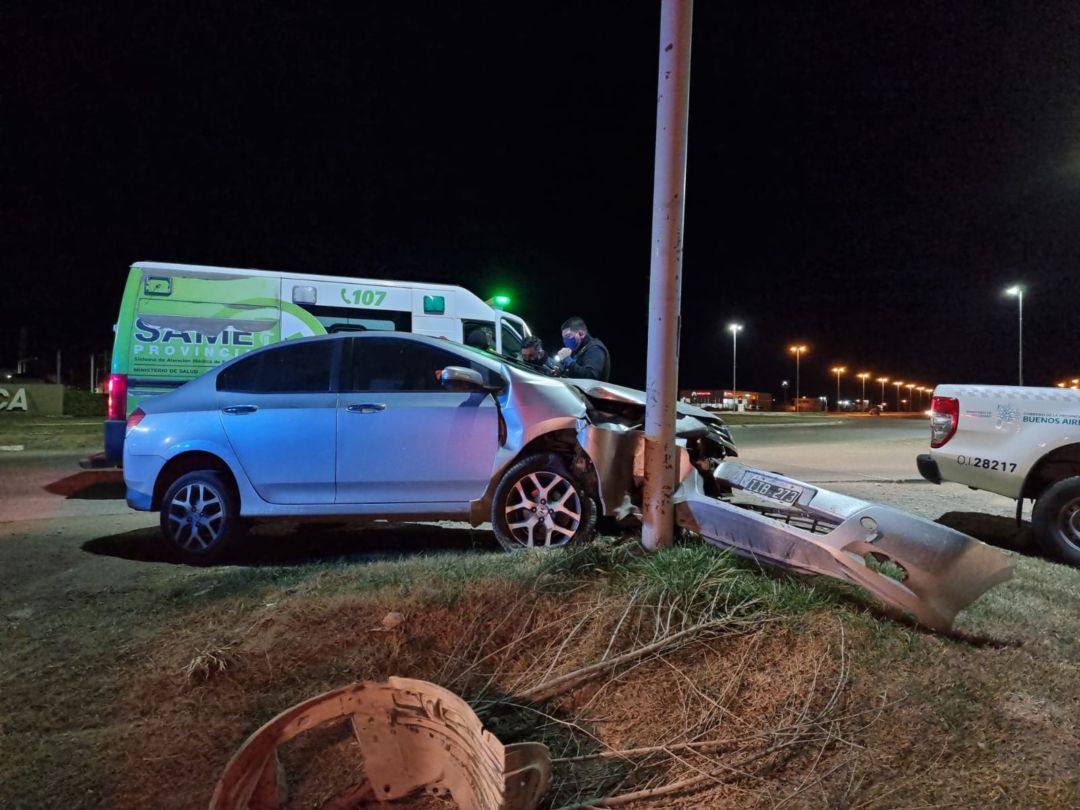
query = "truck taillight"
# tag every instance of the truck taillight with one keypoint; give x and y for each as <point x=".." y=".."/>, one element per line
<point x="136" y="417"/>
<point x="944" y="417"/>
<point x="117" y="396"/>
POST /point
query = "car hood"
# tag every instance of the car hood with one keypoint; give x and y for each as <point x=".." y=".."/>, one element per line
<point x="594" y="389"/>
<point x="629" y="405"/>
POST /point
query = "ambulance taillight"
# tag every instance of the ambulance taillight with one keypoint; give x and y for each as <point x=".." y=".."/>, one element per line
<point x="118" y="385"/>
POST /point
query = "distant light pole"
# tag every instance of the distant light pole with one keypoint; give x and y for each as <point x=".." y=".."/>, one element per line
<point x="1018" y="291"/>
<point x="898" y="383"/>
<point x="798" y="351"/>
<point x="734" y="328"/>
<point x="909" y="387"/>
<point x="784" y="385"/>
<point x="863" y="376"/>
<point x="838" y="370"/>
<point x="882" y="380"/>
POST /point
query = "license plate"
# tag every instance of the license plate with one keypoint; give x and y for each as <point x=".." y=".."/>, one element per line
<point x="771" y="490"/>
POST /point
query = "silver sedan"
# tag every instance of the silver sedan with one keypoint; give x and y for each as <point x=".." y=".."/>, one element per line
<point x="394" y="425"/>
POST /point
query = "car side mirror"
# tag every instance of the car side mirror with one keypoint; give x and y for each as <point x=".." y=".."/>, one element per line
<point x="459" y="378"/>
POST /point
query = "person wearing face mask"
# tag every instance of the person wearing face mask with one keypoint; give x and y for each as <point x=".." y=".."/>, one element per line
<point x="534" y="356"/>
<point x="583" y="355"/>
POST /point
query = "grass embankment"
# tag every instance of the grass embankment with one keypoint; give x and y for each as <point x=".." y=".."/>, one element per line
<point x="51" y="432"/>
<point x="129" y="685"/>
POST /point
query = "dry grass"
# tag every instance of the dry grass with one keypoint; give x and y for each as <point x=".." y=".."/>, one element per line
<point x="680" y="680"/>
<point x="593" y="677"/>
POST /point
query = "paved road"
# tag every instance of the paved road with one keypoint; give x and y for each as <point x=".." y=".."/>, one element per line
<point x="872" y="459"/>
<point x="48" y="484"/>
<point x="846" y="449"/>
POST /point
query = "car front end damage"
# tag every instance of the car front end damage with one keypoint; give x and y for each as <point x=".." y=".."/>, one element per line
<point x="911" y="565"/>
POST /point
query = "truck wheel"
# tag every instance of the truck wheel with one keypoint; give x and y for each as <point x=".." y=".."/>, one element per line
<point x="199" y="517"/>
<point x="538" y="504"/>
<point x="1055" y="520"/>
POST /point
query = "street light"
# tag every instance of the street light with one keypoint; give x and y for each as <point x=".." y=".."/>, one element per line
<point x="1018" y="291"/>
<point x="898" y="383"/>
<point x="882" y="380"/>
<point x="909" y="386"/>
<point x="863" y="376"/>
<point x="798" y="351"/>
<point x="734" y="328"/>
<point x="838" y="370"/>
<point x="784" y="385"/>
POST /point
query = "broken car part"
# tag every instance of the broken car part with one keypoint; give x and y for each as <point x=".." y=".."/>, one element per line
<point x="413" y="736"/>
<point x="921" y="568"/>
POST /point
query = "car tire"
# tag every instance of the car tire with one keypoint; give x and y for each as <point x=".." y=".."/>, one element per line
<point x="1055" y="521"/>
<point x="199" y="517"/>
<point x="522" y="513"/>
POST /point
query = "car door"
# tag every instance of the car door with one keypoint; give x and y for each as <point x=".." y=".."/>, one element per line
<point x="402" y="437"/>
<point x="279" y="411"/>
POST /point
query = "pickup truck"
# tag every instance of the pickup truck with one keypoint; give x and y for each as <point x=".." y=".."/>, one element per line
<point x="1018" y="441"/>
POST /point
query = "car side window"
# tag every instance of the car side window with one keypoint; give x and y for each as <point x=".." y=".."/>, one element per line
<point x="288" y="368"/>
<point x="389" y="364"/>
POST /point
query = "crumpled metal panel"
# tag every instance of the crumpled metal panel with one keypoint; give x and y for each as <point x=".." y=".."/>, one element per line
<point x="815" y="531"/>
<point x="413" y="735"/>
<point x="618" y="456"/>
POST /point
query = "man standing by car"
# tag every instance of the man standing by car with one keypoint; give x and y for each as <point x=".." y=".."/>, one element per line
<point x="583" y="355"/>
<point x="534" y="356"/>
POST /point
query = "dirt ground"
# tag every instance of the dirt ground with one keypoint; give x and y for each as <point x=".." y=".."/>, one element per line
<point x="127" y="681"/>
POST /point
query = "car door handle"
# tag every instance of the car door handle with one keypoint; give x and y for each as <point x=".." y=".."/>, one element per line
<point x="366" y="407"/>
<point x="240" y="409"/>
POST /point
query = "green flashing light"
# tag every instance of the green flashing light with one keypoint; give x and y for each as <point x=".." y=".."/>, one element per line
<point x="499" y="301"/>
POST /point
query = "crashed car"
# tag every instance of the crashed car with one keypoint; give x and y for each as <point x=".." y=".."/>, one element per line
<point x="392" y="426"/>
<point x="401" y="426"/>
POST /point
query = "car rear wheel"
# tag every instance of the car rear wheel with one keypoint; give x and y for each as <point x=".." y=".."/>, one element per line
<point x="199" y="517"/>
<point x="539" y="504"/>
<point x="1055" y="520"/>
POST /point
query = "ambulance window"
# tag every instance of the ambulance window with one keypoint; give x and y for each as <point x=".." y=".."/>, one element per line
<point x="511" y="342"/>
<point x="350" y="319"/>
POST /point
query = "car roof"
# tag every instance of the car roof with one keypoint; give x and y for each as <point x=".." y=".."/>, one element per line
<point x="493" y="361"/>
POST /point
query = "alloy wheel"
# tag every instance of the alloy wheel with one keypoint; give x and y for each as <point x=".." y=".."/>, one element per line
<point x="543" y="509"/>
<point x="196" y="517"/>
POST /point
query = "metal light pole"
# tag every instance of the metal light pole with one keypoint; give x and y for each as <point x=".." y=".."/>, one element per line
<point x="838" y="370"/>
<point x="882" y="380"/>
<point x="898" y="383"/>
<point x="1018" y="291"/>
<point x="798" y="350"/>
<point x="665" y="272"/>
<point x="910" y="401"/>
<point x="734" y="328"/>
<point x="862" y="376"/>
<point x="784" y="385"/>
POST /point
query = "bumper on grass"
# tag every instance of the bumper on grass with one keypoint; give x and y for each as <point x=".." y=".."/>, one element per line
<point x="914" y="566"/>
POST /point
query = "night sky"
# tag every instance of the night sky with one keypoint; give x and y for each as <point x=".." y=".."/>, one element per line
<point x="863" y="177"/>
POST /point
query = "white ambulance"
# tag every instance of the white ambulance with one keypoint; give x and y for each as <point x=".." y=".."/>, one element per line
<point x="180" y="320"/>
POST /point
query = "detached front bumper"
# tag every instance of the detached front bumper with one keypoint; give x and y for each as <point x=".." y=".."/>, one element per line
<point x="912" y="565"/>
<point x="928" y="468"/>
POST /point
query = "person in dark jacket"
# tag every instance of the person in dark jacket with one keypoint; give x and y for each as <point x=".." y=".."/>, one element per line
<point x="584" y="355"/>
<point x="534" y="356"/>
